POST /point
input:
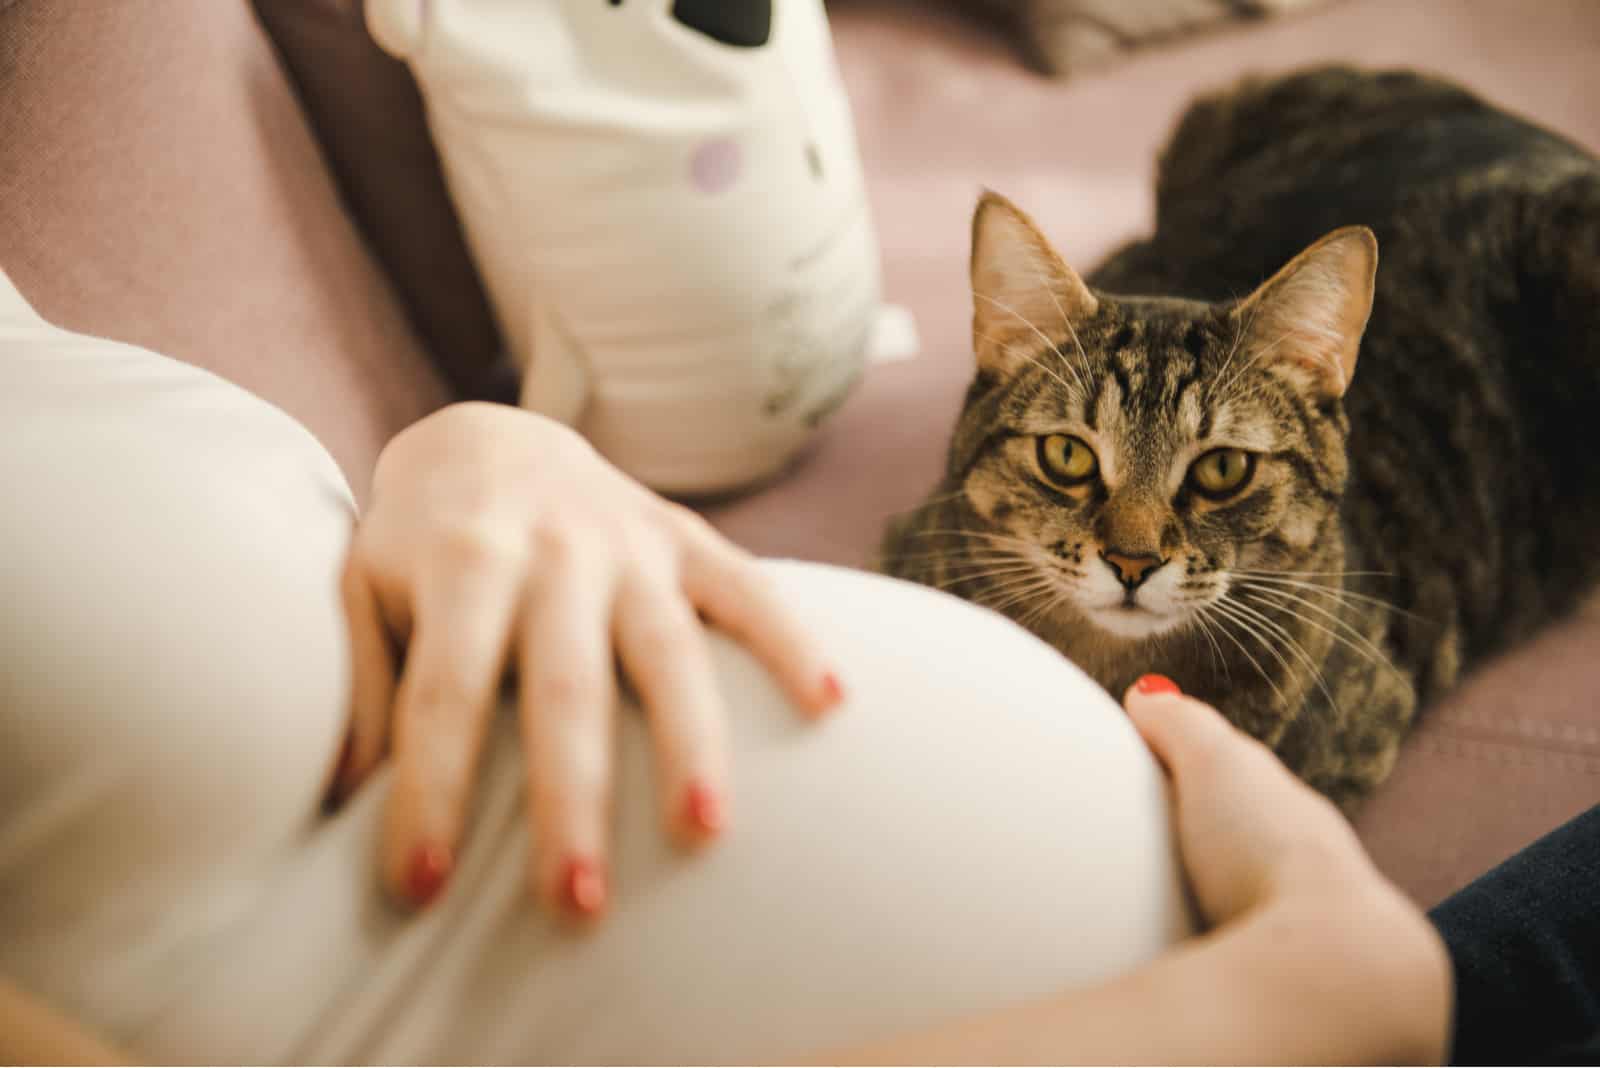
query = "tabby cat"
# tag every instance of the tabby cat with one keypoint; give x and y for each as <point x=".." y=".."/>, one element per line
<point x="1204" y="484"/>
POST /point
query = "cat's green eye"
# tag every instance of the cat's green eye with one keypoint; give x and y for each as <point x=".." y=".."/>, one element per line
<point x="1066" y="460"/>
<point x="1221" y="473"/>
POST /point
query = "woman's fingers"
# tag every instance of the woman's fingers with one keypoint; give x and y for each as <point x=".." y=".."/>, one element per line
<point x="1215" y="763"/>
<point x="1248" y="828"/>
<point x="567" y="686"/>
<point x="491" y="529"/>
<point x="371" y="684"/>
<point x="466" y="605"/>
<point x="1188" y="736"/>
<point x="662" y="646"/>
<point x="733" y="592"/>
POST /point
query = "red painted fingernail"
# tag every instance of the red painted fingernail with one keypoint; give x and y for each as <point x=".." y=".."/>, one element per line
<point x="703" y="808"/>
<point x="584" y="886"/>
<point x="430" y="870"/>
<point x="832" y="692"/>
<point x="1151" y="685"/>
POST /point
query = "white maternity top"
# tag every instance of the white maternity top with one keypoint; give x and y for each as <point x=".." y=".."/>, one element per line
<point x="978" y="826"/>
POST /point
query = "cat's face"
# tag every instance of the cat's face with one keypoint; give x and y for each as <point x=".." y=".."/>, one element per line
<point x="1146" y="471"/>
<point x="1135" y="458"/>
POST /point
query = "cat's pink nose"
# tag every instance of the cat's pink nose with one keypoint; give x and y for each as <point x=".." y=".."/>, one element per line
<point x="1131" y="569"/>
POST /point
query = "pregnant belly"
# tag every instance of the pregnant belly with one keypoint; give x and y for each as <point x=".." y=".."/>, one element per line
<point x="978" y="826"/>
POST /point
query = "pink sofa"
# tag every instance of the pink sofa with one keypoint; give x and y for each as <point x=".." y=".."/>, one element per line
<point x="266" y="204"/>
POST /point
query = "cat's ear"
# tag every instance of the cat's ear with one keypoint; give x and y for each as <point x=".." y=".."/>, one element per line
<point x="1024" y="297"/>
<point x="1310" y="316"/>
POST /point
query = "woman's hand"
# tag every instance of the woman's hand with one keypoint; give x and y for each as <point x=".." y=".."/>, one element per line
<point x="1250" y="832"/>
<point x="496" y="537"/>
<point x="1296" y="906"/>
<point x="1312" y="957"/>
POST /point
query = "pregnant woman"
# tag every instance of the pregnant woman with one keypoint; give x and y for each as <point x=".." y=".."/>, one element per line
<point x="956" y="849"/>
<point x="945" y="865"/>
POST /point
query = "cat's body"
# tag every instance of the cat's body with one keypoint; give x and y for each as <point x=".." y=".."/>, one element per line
<point x="1441" y="508"/>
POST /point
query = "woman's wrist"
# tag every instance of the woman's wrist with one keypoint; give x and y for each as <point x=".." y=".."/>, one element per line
<point x="1359" y="964"/>
<point x="1418" y="973"/>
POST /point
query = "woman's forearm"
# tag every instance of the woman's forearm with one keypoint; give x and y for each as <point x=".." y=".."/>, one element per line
<point x="1349" y="983"/>
<point x="31" y="1032"/>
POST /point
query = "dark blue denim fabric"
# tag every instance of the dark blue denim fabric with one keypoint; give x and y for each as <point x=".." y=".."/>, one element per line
<point x="1525" y="942"/>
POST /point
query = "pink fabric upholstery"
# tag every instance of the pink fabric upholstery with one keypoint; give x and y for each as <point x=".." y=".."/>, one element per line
<point x="159" y="185"/>
<point x="365" y="110"/>
<point x="944" y="109"/>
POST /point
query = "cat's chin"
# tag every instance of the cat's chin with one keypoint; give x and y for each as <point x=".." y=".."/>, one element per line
<point x="1132" y="623"/>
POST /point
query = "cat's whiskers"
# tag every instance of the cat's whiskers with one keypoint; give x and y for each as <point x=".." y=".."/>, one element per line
<point x="951" y="552"/>
<point x="1226" y="388"/>
<point x="1204" y="626"/>
<point x="1044" y="608"/>
<point x="1025" y="551"/>
<point x="966" y="565"/>
<point x="996" y="548"/>
<point x="1025" y="321"/>
<point x="1226" y="613"/>
<point x="1010" y="581"/>
<point x="985" y="575"/>
<point x="953" y="556"/>
<point x="1287" y="596"/>
<point x="981" y="535"/>
<point x="1060" y="586"/>
<point x="1282" y="633"/>
<point x="1071" y="331"/>
<point x="1337" y="593"/>
<point x="1376" y="659"/>
<point x="1028" y="576"/>
<point x="1018" y="600"/>
<point x="1363" y="649"/>
<point x="1233" y="350"/>
<point x="1351" y="639"/>
<point x="1020" y="592"/>
<point x="1031" y="358"/>
<point x="1300" y="574"/>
